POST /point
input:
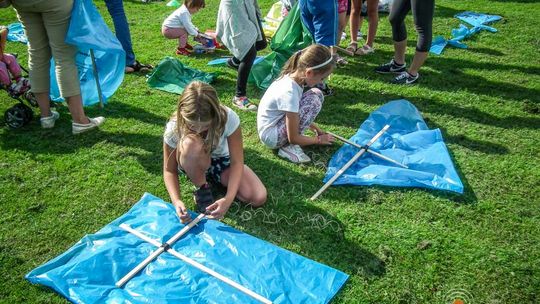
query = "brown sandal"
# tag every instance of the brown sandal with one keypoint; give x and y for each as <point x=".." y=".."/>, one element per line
<point x="352" y="47"/>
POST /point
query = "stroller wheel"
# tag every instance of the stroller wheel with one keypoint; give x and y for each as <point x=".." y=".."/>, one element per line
<point x="31" y="98"/>
<point x="17" y="116"/>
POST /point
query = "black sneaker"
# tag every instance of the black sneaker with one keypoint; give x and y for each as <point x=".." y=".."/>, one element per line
<point x="232" y="63"/>
<point x="203" y="197"/>
<point x="391" y="67"/>
<point x="405" y="78"/>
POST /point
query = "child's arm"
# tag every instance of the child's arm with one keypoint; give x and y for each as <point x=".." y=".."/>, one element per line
<point x="292" y="121"/>
<point x="236" y="152"/>
<point x="170" y="177"/>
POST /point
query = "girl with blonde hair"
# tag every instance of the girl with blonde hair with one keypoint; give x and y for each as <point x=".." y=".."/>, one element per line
<point x="203" y="139"/>
<point x="286" y="111"/>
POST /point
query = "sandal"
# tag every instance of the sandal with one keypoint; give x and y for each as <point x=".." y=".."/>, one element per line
<point x="352" y="47"/>
<point x="366" y="49"/>
<point x="243" y="103"/>
<point x="341" y="61"/>
<point x="138" y="67"/>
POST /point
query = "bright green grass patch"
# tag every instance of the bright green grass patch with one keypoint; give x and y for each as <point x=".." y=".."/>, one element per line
<point x="399" y="245"/>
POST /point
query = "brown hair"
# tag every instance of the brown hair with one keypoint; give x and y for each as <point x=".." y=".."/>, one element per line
<point x="194" y="3"/>
<point x="200" y="103"/>
<point x="311" y="56"/>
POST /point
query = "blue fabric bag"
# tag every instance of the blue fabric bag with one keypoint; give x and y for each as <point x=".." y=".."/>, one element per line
<point x="407" y="141"/>
<point x="87" y="31"/>
<point x="16" y="33"/>
<point x="88" y="271"/>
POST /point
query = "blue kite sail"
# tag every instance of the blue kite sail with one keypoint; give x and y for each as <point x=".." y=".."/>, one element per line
<point x="87" y="31"/>
<point x="479" y="22"/>
<point x="408" y="141"/>
<point x="16" y="33"/>
<point x="88" y="271"/>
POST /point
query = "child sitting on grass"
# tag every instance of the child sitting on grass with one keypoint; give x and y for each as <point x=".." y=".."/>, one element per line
<point x="286" y="111"/>
<point x="10" y="68"/>
<point x="204" y="140"/>
<point x="179" y="26"/>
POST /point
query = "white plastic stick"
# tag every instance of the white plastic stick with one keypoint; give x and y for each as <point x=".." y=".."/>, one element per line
<point x="369" y="150"/>
<point x="159" y="251"/>
<point x="349" y="163"/>
<point x="197" y="265"/>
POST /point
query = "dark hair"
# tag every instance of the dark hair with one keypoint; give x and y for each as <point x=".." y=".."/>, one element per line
<point x="311" y="56"/>
<point x="194" y="3"/>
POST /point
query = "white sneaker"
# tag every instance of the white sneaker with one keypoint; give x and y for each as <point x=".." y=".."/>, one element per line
<point x="48" y="122"/>
<point x="294" y="153"/>
<point x="78" y="128"/>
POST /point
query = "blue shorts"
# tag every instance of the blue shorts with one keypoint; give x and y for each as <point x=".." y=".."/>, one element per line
<point x="217" y="166"/>
<point x="321" y="19"/>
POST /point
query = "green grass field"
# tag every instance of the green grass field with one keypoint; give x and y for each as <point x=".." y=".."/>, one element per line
<point x="398" y="245"/>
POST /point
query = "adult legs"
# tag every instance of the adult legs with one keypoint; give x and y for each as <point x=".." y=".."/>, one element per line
<point x="423" y="11"/>
<point x="399" y="11"/>
<point x="121" y="28"/>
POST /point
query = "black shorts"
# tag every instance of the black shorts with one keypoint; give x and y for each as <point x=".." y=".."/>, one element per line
<point x="217" y="166"/>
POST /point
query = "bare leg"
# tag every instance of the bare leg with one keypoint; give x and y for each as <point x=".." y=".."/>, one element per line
<point x="251" y="190"/>
<point x="194" y="160"/>
<point x="76" y="109"/>
<point x="44" y="104"/>
<point x="399" y="51"/>
<point x="354" y="19"/>
<point x="418" y="61"/>
<point x="342" y="22"/>
<point x="373" y="13"/>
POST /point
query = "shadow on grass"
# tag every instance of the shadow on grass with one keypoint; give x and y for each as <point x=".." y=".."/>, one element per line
<point x="287" y="219"/>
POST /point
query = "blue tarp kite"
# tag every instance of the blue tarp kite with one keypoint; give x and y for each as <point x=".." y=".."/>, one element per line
<point x="88" y="271"/>
<point x="477" y="20"/>
<point x="408" y="141"/>
<point x="16" y="33"/>
<point x="87" y="31"/>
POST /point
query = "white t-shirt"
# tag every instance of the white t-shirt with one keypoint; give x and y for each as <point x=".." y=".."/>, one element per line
<point x="170" y="137"/>
<point x="181" y="18"/>
<point x="282" y="96"/>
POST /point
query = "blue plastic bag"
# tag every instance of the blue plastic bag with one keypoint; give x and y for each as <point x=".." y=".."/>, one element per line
<point x="16" y="33"/>
<point x="87" y="31"/>
<point x="408" y="141"/>
<point x="479" y="20"/>
<point x="88" y="271"/>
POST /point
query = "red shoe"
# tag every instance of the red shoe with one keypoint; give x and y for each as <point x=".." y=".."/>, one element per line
<point x="182" y="51"/>
<point x="188" y="46"/>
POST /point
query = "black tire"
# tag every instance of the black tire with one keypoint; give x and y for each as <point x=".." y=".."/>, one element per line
<point x="17" y="116"/>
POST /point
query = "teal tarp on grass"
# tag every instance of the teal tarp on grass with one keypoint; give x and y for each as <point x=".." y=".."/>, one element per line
<point x="408" y="141"/>
<point x="172" y="76"/>
<point x="88" y="271"/>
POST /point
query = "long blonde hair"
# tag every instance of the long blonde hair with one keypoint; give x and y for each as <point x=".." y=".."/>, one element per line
<point x="200" y="103"/>
<point x="312" y="56"/>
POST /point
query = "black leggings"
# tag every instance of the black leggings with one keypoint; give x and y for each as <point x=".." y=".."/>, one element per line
<point x="423" y="20"/>
<point x="245" y="65"/>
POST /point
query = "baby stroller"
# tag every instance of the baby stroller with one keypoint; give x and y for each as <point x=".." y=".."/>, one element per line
<point x="21" y="113"/>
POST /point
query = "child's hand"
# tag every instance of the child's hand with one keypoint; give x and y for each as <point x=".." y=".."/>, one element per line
<point x="182" y="212"/>
<point x="326" y="139"/>
<point x="218" y="208"/>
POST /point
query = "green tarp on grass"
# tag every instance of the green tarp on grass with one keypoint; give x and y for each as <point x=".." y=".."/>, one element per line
<point x="172" y="76"/>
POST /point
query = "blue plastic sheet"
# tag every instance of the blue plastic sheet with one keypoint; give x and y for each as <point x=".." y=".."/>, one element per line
<point x="88" y="271"/>
<point x="408" y="141"/>
<point x="477" y="20"/>
<point x="223" y="60"/>
<point x="87" y="31"/>
<point x="16" y="33"/>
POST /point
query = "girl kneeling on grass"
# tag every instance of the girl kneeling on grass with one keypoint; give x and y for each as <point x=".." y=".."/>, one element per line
<point x="204" y="140"/>
<point x="286" y="111"/>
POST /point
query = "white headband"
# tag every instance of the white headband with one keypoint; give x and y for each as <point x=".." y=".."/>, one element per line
<point x="323" y="64"/>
